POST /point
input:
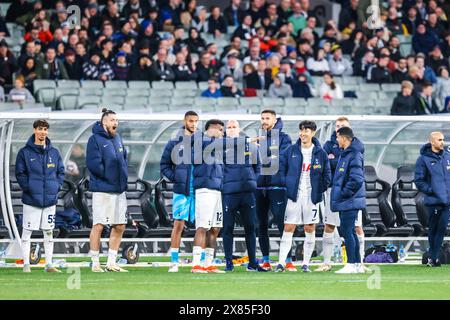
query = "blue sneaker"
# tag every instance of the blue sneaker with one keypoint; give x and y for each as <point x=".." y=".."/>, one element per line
<point x="256" y="268"/>
<point x="229" y="266"/>
<point x="305" y="268"/>
<point x="279" y="268"/>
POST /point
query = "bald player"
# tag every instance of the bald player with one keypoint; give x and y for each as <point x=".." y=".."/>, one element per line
<point x="432" y="177"/>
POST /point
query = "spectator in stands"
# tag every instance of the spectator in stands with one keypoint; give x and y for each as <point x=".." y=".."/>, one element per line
<point x="401" y="72"/>
<point x="200" y="22"/>
<point x="195" y="42"/>
<point x="73" y="66"/>
<point x="4" y="32"/>
<point x="51" y="67"/>
<point x="39" y="31"/>
<point x="147" y="34"/>
<point x="353" y="43"/>
<point x="330" y="34"/>
<point x="348" y="14"/>
<point x="434" y="25"/>
<point x="301" y="88"/>
<point x="182" y="71"/>
<point x="245" y="31"/>
<point x="436" y="60"/>
<point x="96" y="69"/>
<point x="234" y="46"/>
<point x="425" y="104"/>
<point x="213" y="90"/>
<point x="446" y="45"/>
<point x="278" y="89"/>
<point x="142" y="70"/>
<point x="233" y="14"/>
<point x="443" y="86"/>
<point x="339" y="66"/>
<point x="394" y="22"/>
<point x="232" y="67"/>
<point x="163" y="70"/>
<point x="229" y="88"/>
<point x="216" y="23"/>
<point x="251" y="78"/>
<point x="425" y="72"/>
<point x="329" y="89"/>
<point x="2" y="94"/>
<point x="28" y="73"/>
<point x="380" y="73"/>
<point x="264" y="75"/>
<point x="411" y="21"/>
<point x="298" y="18"/>
<point x="121" y="67"/>
<point x="203" y="68"/>
<point x="405" y="102"/>
<point x="254" y="56"/>
<point x="20" y="94"/>
<point x="394" y="49"/>
<point x="107" y="47"/>
<point x="8" y="64"/>
<point x="256" y="10"/>
<point x="17" y="9"/>
<point x="424" y="40"/>
<point x="319" y="65"/>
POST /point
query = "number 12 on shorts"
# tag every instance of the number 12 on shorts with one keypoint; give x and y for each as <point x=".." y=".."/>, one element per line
<point x="219" y="216"/>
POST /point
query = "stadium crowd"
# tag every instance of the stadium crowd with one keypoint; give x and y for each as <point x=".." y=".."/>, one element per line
<point x="163" y="40"/>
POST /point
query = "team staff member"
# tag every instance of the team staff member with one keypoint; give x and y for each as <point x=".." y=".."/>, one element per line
<point x="208" y="182"/>
<point x="308" y="175"/>
<point x="271" y="190"/>
<point x="331" y="219"/>
<point x="176" y="170"/>
<point x="40" y="174"/>
<point x="106" y="159"/>
<point x="348" y="194"/>
<point x="238" y="193"/>
<point x="432" y="177"/>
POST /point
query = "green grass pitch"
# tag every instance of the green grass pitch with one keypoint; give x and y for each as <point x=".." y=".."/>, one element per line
<point x="389" y="282"/>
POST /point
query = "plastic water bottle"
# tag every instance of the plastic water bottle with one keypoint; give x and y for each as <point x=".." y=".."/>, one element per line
<point x="122" y="261"/>
<point x="344" y="254"/>
<point x="336" y="254"/>
<point x="402" y="254"/>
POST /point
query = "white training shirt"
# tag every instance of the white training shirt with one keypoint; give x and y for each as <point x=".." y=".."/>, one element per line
<point x="305" y="177"/>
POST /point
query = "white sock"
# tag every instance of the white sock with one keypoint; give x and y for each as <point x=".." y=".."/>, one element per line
<point x="112" y="256"/>
<point x="48" y="246"/>
<point x="361" y="247"/>
<point x="308" y="246"/>
<point x="285" y="247"/>
<point x="327" y="244"/>
<point x="95" y="258"/>
<point x="26" y="245"/>
<point x="209" y="257"/>
<point x="197" y="255"/>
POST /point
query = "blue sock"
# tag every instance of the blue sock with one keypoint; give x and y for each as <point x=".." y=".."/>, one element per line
<point x="266" y="259"/>
<point x="174" y="255"/>
<point x="288" y="259"/>
<point x="203" y="257"/>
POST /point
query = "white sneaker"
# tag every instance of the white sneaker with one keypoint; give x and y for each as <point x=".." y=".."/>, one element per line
<point x="348" y="268"/>
<point x="26" y="268"/>
<point x="114" y="268"/>
<point x="97" y="268"/>
<point x="323" y="268"/>
<point x="173" y="267"/>
<point x="363" y="269"/>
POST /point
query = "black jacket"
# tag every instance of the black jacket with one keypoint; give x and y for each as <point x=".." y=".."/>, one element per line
<point x="203" y="73"/>
<point x="379" y="75"/>
<point x="137" y="73"/>
<point x="398" y="76"/>
<point x="404" y="105"/>
<point x="423" y="107"/>
<point x="228" y="15"/>
<point x="219" y="24"/>
<point x="163" y="72"/>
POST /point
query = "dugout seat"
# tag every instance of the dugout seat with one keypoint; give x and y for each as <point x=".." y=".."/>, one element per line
<point x="3" y="229"/>
<point x="407" y="201"/>
<point x="163" y="203"/>
<point x="379" y="209"/>
<point x="16" y="200"/>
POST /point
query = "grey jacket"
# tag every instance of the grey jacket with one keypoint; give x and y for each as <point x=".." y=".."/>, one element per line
<point x="283" y="91"/>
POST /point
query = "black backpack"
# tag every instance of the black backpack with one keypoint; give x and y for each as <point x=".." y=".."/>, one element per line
<point x="444" y="254"/>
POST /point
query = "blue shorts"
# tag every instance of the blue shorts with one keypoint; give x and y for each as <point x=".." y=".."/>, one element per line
<point x="183" y="207"/>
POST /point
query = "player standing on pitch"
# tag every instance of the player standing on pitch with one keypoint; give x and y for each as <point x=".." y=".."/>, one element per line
<point x="271" y="191"/>
<point x="208" y="181"/>
<point x="176" y="170"/>
<point x="40" y="174"/>
<point x="106" y="159"/>
<point x="432" y="177"/>
<point x="348" y="194"/>
<point x="307" y="170"/>
<point x="331" y="219"/>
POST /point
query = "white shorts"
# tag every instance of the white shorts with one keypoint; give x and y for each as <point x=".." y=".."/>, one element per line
<point x="301" y="212"/>
<point x="332" y="218"/>
<point x="35" y="218"/>
<point x="109" y="208"/>
<point x="208" y="209"/>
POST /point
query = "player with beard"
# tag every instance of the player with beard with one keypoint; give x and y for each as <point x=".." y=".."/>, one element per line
<point x="106" y="159"/>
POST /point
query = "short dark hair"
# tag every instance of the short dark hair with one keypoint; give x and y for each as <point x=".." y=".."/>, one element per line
<point x="106" y="112"/>
<point x="41" y="123"/>
<point x="426" y="84"/>
<point x="213" y="79"/>
<point x="190" y="113"/>
<point x="272" y="112"/>
<point x="346" y="132"/>
<point x="306" y="124"/>
<point x="212" y="122"/>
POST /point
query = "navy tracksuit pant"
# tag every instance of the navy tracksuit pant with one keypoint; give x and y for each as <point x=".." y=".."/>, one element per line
<point x="437" y="225"/>
<point x="245" y="204"/>
<point x="348" y="219"/>
<point x="276" y="201"/>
